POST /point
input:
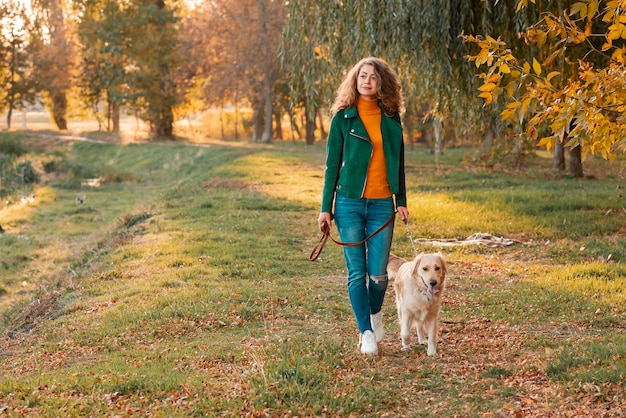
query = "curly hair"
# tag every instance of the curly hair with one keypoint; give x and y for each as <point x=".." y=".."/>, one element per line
<point x="389" y="94"/>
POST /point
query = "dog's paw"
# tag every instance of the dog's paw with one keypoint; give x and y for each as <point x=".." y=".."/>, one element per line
<point x="406" y="348"/>
<point x="432" y="353"/>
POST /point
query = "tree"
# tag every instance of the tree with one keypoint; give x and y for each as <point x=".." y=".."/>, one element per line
<point x="154" y="36"/>
<point x="419" y="38"/>
<point x="239" y="42"/>
<point x="53" y="57"/>
<point x="584" y="110"/>
<point x="17" y="72"/>
<point x="305" y="51"/>
<point x="102" y="31"/>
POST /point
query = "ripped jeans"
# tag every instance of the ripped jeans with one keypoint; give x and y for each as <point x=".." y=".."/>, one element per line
<point x="366" y="263"/>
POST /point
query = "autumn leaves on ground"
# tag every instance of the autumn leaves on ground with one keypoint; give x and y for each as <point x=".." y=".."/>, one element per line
<point x="181" y="286"/>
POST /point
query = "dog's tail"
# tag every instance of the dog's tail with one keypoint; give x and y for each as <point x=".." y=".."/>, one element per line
<point x="393" y="265"/>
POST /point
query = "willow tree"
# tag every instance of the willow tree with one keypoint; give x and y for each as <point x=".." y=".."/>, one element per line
<point x="306" y="52"/>
<point x="420" y="38"/>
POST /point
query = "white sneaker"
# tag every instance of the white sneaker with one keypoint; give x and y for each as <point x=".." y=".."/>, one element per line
<point x="377" y="325"/>
<point x="368" y="343"/>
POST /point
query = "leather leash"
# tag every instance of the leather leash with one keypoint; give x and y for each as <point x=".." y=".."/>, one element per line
<point x="326" y="234"/>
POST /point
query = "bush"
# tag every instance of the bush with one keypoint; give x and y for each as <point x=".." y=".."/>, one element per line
<point x="11" y="147"/>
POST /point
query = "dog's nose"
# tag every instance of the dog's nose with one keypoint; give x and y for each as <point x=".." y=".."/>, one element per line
<point x="433" y="283"/>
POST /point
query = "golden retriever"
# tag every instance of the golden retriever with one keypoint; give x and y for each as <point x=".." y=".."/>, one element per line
<point x="419" y="285"/>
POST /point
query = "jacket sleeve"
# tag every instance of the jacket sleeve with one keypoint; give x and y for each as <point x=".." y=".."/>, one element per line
<point x="334" y="156"/>
<point x="401" y="195"/>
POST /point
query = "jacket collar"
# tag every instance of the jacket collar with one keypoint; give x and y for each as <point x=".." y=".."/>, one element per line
<point x="350" y="112"/>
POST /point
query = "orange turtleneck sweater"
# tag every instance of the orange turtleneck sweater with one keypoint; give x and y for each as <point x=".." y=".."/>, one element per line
<point x="377" y="185"/>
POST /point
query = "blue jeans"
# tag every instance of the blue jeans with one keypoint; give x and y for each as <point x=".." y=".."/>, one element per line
<point x="366" y="263"/>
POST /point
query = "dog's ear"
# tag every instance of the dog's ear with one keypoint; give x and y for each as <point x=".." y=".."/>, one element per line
<point x="442" y="260"/>
<point x="416" y="263"/>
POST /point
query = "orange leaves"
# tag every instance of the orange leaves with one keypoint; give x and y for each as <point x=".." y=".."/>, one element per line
<point x="487" y="91"/>
<point x="615" y="14"/>
<point x="585" y="105"/>
<point x="616" y="31"/>
<point x="500" y="61"/>
<point x="523" y="3"/>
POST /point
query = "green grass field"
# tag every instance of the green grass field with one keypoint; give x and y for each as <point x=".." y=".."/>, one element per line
<point x="182" y="287"/>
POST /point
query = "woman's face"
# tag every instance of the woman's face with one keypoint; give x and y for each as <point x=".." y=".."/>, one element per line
<point x="367" y="83"/>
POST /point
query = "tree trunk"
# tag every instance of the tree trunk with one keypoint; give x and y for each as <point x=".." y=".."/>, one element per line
<point x="267" y="126"/>
<point x="558" y="162"/>
<point x="279" y="126"/>
<point x="116" y="117"/>
<point x="222" y="119"/>
<point x="11" y="95"/>
<point x="437" y="126"/>
<point x="488" y="137"/>
<point x="294" y="125"/>
<point x="109" y="104"/>
<point x="59" y="55"/>
<point x="408" y="128"/>
<point x="255" y="123"/>
<point x="236" y="108"/>
<point x="267" y="76"/>
<point x="59" y="109"/>
<point x="164" y="126"/>
<point x="575" y="161"/>
<point x="309" y="126"/>
<point x="322" y="129"/>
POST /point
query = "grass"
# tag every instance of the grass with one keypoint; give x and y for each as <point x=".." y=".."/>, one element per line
<point x="182" y="287"/>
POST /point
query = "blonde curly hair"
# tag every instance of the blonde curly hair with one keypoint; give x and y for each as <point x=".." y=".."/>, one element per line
<point x="389" y="94"/>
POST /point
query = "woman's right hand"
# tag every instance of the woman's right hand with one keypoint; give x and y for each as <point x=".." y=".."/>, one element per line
<point x="324" y="221"/>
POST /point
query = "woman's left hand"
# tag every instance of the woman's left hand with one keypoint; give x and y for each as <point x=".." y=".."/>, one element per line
<point x="403" y="213"/>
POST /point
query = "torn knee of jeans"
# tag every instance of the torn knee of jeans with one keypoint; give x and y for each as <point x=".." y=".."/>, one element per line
<point x="378" y="279"/>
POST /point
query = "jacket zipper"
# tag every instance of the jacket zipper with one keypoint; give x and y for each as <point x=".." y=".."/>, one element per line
<point x="368" y="163"/>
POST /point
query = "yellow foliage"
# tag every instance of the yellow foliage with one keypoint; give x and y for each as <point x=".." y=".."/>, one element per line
<point x="592" y="9"/>
<point x="487" y="96"/>
<point x="546" y="141"/>
<point x="487" y="87"/>
<point x="507" y="114"/>
<point x="510" y="89"/>
<point x="552" y="74"/>
<point x="536" y="66"/>
<point x="578" y="7"/>
<point x="494" y="78"/>
<point x="592" y="103"/>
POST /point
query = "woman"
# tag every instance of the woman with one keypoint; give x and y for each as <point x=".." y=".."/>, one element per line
<point x="364" y="171"/>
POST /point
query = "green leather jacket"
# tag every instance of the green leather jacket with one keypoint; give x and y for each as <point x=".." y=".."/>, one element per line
<point x="348" y="153"/>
